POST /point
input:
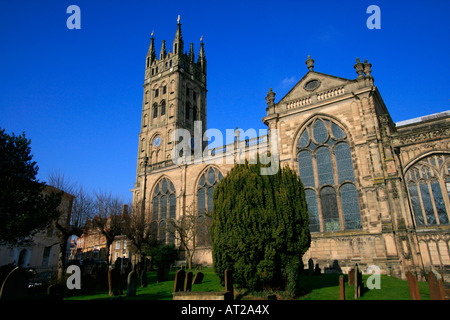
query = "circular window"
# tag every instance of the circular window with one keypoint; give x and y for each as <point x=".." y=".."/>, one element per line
<point x="312" y="85"/>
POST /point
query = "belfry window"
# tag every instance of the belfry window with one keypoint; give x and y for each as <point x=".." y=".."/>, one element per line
<point x="163" y="107"/>
<point x="188" y="111"/>
<point x="163" y="208"/>
<point x="327" y="173"/>
<point x="155" y="111"/>
<point x="428" y="184"/>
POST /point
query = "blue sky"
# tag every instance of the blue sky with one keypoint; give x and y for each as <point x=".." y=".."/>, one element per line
<point x="77" y="94"/>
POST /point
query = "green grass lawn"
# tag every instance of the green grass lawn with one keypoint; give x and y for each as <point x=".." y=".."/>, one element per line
<point x="161" y="290"/>
<point x="326" y="287"/>
<point x="323" y="287"/>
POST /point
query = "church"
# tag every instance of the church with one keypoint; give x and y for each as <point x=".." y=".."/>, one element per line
<point x="377" y="191"/>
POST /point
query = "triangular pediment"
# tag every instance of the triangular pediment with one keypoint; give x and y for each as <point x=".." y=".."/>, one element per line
<point x="314" y="82"/>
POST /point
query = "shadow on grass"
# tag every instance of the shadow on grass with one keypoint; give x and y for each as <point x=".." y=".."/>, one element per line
<point x="309" y="283"/>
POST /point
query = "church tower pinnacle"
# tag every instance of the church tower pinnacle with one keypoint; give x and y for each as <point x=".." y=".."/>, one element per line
<point x="178" y="41"/>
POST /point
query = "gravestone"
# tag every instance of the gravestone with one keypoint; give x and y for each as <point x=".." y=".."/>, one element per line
<point x="114" y="282"/>
<point x="179" y="280"/>
<point x="310" y="267"/>
<point x="188" y="282"/>
<point x="228" y="281"/>
<point x="436" y="286"/>
<point x="317" y="270"/>
<point x="351" y="277"/>
<point x="358" y="282"/>
<point x="144" y="279"/>
<point x="198" y="278"/>
<point x="15" y="286"/>
<point x="132" y="283"/>
<point x="341" y="288"/>
<point x="413" y="287"/>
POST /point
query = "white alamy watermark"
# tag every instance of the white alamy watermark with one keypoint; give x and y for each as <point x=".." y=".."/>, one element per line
<point x="74" y="280"/>
<point x="374" y="281"/>
<point x="374" y="20"/>
<point x="230" y="150"/>
<point x="74" y="20"/>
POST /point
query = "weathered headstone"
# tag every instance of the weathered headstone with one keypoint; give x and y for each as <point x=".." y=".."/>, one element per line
<point x="15" y="286"/>
<point x="341" y="288"/>
<point x="114" y="282"/>
<point x="198" y="278"/>
<point x="436" y="286"/>
<point x="413" y="287"/>
<point x="179" y="280"/>
<point x="188" y="282"/>
<point x="351" y="277"/>
<point x="357" y="280"/>
<point x="229" y="281"/>
<point x="310" y="267"/>
<point x="132" y="282"/>
<point x="144" y="279"/>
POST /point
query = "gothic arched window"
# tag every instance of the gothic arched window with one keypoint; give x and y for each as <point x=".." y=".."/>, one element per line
<point x="205" y="191"/>
<point x="427" y="181"/>
<point x="155" y="110"/>
<point x="188" y="110"/>
<point x="163" y="107"/>
<point x="327" y="173"/>
<point x="163" y="208"/>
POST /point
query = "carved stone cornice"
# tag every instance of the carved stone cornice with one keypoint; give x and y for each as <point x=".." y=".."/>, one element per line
<point x="410" y="138"/>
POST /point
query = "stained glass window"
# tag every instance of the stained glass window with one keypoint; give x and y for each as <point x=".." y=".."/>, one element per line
<point x="350" y="207"/>
<point x="307" y="174"/>
<point x="311" y="200"/>
<point x="205" y="191"/>
<point x="429" y="190"/>
<point x="324" y="166"/>
<point x="327" y="172"/>
<point x="344" y="162"/>
<point x="330" y="209"/>
<point x="163" y="208"/>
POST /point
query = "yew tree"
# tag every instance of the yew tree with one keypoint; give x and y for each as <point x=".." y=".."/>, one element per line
<point x="260" y="227"/>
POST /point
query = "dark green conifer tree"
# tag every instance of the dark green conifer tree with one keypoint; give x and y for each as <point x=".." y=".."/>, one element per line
<point x="260" y="227"/>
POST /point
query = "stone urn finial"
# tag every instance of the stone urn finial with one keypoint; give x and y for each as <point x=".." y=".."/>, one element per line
<point x="310" y="63"/>
<point x="270" y="98"/>
<point x="367" y="68"/>
<point x="359" y="67"/>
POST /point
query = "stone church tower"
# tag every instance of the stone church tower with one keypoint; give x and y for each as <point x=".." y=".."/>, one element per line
<point x="377" y="191"/>
<point x="174" y="97"/>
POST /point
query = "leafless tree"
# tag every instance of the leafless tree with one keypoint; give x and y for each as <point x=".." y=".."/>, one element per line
<point x="139" y="233"/>
<point x="72" y="225"/>
<point x="192" y="230"/>
<point x="108" y="217"/>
